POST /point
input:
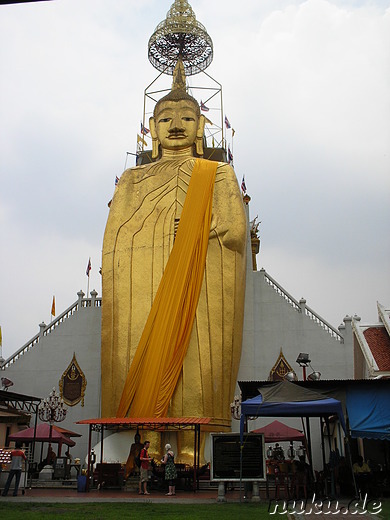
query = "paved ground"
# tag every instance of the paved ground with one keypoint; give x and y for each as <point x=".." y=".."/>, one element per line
<point x="108" y="495"/>
<point x="205" y="496"/>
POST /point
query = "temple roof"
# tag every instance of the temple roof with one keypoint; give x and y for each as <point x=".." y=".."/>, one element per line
<point x="154" y="423"/>
<point x="147" y="420"/>
<point x="374" y="342"/>
<point x="378" y="341"/>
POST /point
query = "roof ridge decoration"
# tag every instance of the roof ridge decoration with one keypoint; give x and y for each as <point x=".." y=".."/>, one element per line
<point x="364" y="347"/>
<point x="384" y="316"/>
<point x="180" y="35"/>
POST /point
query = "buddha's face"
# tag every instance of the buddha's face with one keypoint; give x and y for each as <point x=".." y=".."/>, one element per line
<point x="177" y="124"/>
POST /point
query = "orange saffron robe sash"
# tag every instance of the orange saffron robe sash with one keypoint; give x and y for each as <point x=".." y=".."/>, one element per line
<point x="158" y="360"/>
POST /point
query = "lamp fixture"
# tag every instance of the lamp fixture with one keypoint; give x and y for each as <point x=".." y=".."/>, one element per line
<point x="303" y="360"/>
<point x="291" y="451"/>
<point x="314" y="376"/>
<point x="235" y="408"/>
<point x="290" y="376"/>
<point x="51" y="409"/>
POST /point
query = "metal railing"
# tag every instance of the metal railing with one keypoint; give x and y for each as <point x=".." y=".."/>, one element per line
<point x="324" y="324"/>
<point x="302" y="307"/>
<point x="284" y="294"/>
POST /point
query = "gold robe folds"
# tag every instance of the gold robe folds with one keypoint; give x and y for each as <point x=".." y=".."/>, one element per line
<point x="138" y="240"/>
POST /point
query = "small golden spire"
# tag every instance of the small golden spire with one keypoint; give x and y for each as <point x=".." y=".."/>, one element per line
<point x="179" y="77"/>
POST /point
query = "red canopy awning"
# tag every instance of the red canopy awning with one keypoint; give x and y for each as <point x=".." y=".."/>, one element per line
<point x="278" y="431"/>
<point x="42" y="435"/>
<point x="67" y="433"/>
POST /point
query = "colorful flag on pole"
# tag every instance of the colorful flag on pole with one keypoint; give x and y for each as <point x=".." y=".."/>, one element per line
<point x="203" y="107"/>
<point x="141" y="140"/>
<point x="116" y="181"/>
<point x="89" y="267"/>
<point x="227" y="124"/>
<point x="53" y="307"/>
<point x="230" y="156"/>
<point x="144" y="130"/>
<point x="243" y="185"/>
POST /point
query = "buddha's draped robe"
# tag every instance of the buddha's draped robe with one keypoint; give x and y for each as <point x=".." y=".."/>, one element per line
<point x="139" y="237"/>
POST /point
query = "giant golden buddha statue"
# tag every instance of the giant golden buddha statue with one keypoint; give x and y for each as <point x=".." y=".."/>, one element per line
<point x="173" y="275"/>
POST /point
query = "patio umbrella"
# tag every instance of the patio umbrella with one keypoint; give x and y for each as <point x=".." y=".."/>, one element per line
<point x="42" y="435"/>
<point x="277" y="431"/>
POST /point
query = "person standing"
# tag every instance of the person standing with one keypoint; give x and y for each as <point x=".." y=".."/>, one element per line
<point x="17" y="457"/>
<point x="170" y="469"/>
<point x="362" y="472"/>
<point x="69" y="456"/>
<point x="145" y="459"/>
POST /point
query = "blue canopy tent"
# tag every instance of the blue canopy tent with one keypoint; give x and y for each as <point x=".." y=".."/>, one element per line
<point x="286" y="399"/>
<point x="369" y="411"/>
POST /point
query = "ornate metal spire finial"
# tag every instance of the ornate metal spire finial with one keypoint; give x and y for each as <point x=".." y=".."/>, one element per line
<point x="180" y="35"/>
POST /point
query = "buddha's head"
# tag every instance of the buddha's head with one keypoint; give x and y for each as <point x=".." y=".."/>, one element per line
<point x="177" y="124"/>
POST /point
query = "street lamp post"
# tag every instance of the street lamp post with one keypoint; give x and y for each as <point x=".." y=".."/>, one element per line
<point x="52" y="410"/>
<point x="303" y="361"/>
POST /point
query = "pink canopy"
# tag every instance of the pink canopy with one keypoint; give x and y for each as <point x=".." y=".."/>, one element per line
<point x="277" y="431"/>
<point x="43" y="435"/>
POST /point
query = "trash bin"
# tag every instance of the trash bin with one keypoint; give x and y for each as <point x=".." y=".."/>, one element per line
<point x="81" y="483"/>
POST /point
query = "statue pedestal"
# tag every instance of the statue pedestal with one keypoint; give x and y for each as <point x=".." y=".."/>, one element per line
<point x="221" y="492"/>
<point x="255" y="492"/>
<point x="46" y="473"/>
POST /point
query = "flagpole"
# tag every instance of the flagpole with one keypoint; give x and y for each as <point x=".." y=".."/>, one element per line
<point x="87" y="272"/>
<point x="233" y="132"/>
<point x="222" y="114"/>
<point x="127" y="154"/>
<point x="53" y="309"/>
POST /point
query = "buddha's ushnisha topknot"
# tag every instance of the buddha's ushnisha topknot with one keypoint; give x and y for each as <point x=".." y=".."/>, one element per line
<point x="179" y="90"/>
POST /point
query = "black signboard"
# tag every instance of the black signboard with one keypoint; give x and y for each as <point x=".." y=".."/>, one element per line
<point x="226" y="457"/>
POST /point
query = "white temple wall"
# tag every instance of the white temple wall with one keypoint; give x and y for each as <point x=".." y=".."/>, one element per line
<point x="272" y="323"/>
<point x="40" y="369"/>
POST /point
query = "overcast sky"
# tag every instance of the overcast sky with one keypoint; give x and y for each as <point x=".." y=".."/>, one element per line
<point x="306" y="87"/>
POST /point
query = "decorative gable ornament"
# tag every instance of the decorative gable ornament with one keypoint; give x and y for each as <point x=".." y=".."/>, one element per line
<point x="280" y="368"/>
<point x="72" y="384"/>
